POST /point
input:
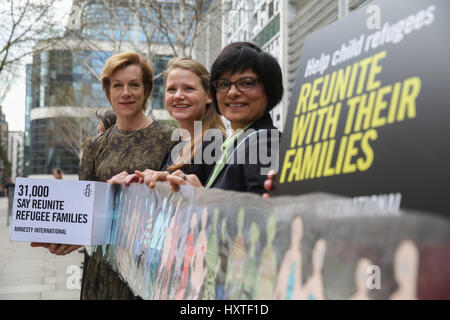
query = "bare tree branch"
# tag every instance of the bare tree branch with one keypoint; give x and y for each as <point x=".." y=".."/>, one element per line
<point x="22" y="24"/>
<point x="150" y="27"/>
<point x="73" y="132"/>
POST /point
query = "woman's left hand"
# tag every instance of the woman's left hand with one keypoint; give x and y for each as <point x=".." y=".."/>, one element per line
<point x="150" y="177"/>
<point x="269" y="184"/>
<point x="55" y="248"/>
<point x="124" y="178"/>
<point x="178" y="178"/>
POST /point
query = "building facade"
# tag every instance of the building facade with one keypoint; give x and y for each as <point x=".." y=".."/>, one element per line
<point x="5" y="165"/>
<point x="26" y="136"/>
<point x="63" y="87"/>
<point x="277" y="26"/>
<point x="16" y="153"/>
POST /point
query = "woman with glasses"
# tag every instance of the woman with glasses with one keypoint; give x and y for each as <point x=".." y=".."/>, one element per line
<point x="246" y="86"/>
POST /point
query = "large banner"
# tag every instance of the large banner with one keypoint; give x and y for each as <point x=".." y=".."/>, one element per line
<point x="196" y="244"/>
<point x="370" y="112"/>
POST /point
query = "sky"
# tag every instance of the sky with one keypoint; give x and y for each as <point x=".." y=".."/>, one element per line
<point x="13" y="106"/>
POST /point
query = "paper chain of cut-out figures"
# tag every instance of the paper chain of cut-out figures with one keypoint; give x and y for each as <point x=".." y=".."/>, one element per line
<point x="203" y="263"/>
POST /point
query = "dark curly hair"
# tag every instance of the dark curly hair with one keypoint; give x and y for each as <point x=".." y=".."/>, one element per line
<point x="108" y="118"/>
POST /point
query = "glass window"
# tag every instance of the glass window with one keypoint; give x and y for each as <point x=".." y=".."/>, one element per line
<point x="268" y="32"/>
<point x="160" y="63"/>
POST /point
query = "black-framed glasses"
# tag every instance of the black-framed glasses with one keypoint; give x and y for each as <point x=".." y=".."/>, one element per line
<point x="243" y="84"/>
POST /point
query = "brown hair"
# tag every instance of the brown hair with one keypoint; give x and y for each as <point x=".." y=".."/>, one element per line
<point x="210" y="119"/>
<point x="125" y="59"/>
<point x="107" y="117"/>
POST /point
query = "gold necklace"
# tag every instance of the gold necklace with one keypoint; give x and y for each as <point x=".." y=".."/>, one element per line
<point x="133" y="132"/>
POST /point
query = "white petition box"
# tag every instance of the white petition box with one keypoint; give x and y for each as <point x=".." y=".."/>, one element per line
<point x="62" y="211"/>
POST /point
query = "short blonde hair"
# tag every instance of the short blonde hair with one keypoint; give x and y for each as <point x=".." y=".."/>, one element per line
<point x="123" y="60"/>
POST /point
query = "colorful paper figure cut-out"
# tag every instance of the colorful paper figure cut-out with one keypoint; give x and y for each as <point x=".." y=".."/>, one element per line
<point x="251" y="265"/>
<point x="125" y="219"/>
<point x="223" y="255"/>
<point x="164" y="256"/>
<point x="189" y="253"/>
<point x="118" y="248"/>
<point x="267" y="272"/>
<point x="145" y="240"/>
<point x="236" y="261"/>
<point x="153" y="253"/>
<point x="198" y="269"/>
<point x="212" y="261"/>
<point x="313" y="288"/>
<point x="169" y="257"/>
<point x="361" y="275"/>
<point x="133" y="244"/>
<point x="180" y="250"/>
<point x="117" y="213"/>
<point x="144" y="224"/>
<point x="143" y="250"/>
<point x="289" y="281"/>
<point x="133" y="226"/>
<point x="406" y="267"/>
<point x="139" y="236"/>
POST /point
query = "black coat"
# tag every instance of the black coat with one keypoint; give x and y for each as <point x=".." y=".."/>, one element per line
<point x="242" y="171"/>
<point x="201" y="170"/>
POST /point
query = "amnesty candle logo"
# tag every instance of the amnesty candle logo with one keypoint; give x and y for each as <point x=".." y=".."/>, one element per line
<point x="87" y="191"/>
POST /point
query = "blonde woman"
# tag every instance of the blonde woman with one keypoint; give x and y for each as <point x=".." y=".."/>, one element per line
<point x="188" y="100"/>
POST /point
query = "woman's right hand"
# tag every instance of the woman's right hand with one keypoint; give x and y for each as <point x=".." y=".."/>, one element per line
<point x="150" y="177"/>
<point x="178" y="178"/>
<point x="57" y="249"/>
<point x="269" y="184"/>
<point x="124" y="178"/>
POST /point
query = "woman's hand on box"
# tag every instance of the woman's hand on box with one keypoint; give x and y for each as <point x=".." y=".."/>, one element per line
<point x="150" y="177"/>
<point x="269" y="184"/>
<point x="55" y="248"/>
<point x="178" y="178"/>
<point x="124" y="178"/>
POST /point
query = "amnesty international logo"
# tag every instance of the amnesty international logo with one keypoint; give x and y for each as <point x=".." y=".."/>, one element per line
<point x="87" y="191"/>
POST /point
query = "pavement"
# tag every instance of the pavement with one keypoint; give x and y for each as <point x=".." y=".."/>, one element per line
<point x="28" y="273"/>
